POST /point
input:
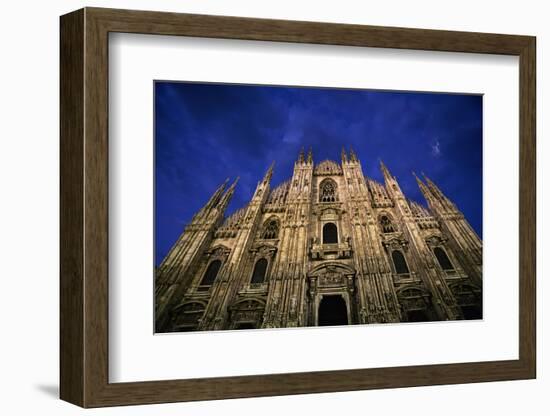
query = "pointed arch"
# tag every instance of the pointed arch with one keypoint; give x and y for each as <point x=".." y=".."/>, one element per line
<point x="219" y="251"/>
<point x="386" y="223"/>
<point x="416" y="304"/>
<point x="248" y="303"/>
<point x="270" y="230"/>
<point x="191" y="306"/>
<point x="247" y="313"/>
<point x="443" y="258"/>
<point x="186" y="316"/>
<point x="328" y="191"/>
<point x="259" y="272"/>
<point x="211" y="273"/>
<point x="408" y="289"/>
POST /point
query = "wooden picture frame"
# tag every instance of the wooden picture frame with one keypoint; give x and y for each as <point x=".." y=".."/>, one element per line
<point x="84" y="207"/>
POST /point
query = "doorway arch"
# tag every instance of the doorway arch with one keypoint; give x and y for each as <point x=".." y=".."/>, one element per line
<point x="332" y="311"/>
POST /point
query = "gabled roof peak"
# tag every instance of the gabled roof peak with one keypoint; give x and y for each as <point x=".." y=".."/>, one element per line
<point x="328" y="167"/>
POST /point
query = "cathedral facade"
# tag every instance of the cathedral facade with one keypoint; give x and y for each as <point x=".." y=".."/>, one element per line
<point x="329" y="246"/>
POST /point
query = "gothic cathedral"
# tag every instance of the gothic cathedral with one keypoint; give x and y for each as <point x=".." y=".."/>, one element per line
<point x="327" y="247"/>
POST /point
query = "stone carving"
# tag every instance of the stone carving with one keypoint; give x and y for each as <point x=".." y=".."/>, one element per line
<point x="436" y="240"/>
<point x="395" y="242"/>
<point x="220" y="252"/>
<point x="293" y="306"/>
<point x="284" y="225"/>
<point x="330" y="278"/>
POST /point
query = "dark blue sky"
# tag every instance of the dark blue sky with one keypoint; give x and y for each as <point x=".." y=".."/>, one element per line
<point x="205" y="133"/>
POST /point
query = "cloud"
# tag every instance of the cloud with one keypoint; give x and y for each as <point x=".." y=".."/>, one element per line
<point x="205" y="133"/>
<point x="436" y="148"/>
<point x="293" y="136"/>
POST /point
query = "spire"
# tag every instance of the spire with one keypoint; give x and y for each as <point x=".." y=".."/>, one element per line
<point x="385" y="171"/>
<point x="428" y="195"/>
<point x="425" y="191"/>
<point x="220" y="189"/>
<point x="353" y="156"/>
<point x="269" y="173"/>
<point x="211" y="204"/>
<point x="301" y="155"/>
<point x="228" y="195"/>
<point x="310" y="156"/>
<point x="215" y="198"/>
<point x="233" y="185"/>
<point x="445" y="202"/>
<point x="433" y="187"/>
<point x="344" y="155"/>
<point x="418" y="181"/>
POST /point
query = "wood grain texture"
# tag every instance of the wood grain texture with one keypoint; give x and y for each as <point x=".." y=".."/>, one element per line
<point x="71" y="205"/>
<point x="84" y="207"/>
<point x="527" y="208"/>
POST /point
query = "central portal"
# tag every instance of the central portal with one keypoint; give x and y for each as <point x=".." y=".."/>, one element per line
<point x="333" y="311"/>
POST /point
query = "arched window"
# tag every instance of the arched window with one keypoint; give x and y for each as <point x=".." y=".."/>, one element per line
<point x="258" y="275"/>
<point x="328" y="191"/>
<point x="271" y="230"/>
<point x="211" y="273"/>
<point x="386" y="224"/>
<point x="443" y="259"/>
<point x="416" y="305"/>
<point x="186" y="317"/>
<point x="330" y="233"/>
<point x="399" y="262"/>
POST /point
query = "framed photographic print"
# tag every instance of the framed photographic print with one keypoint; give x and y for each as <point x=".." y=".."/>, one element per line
<point x="261" y="207"/>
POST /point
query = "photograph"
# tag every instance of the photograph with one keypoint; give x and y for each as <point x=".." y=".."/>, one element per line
<point x="337" y="200"/>
<point x="299" y="206"/>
